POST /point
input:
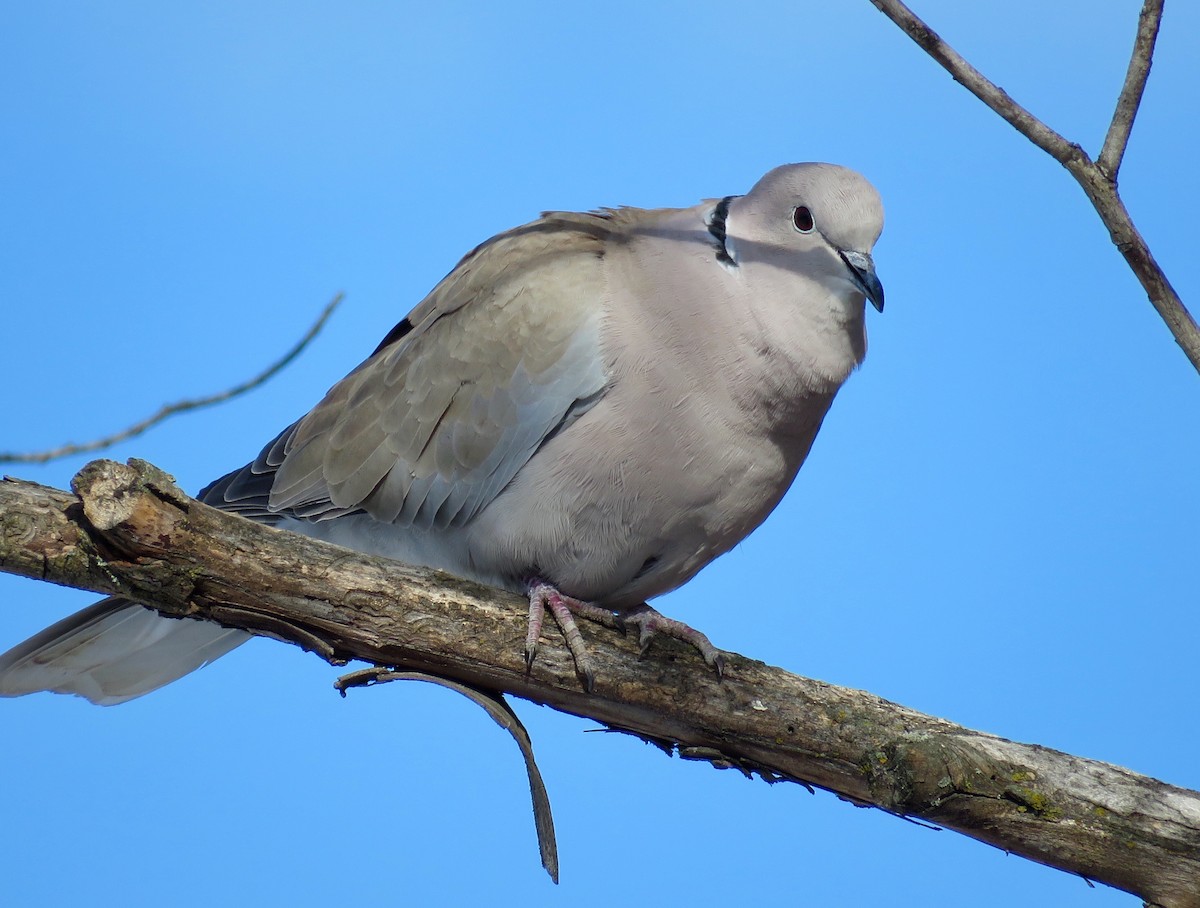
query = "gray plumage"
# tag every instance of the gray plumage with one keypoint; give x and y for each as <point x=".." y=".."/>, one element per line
<point x="603" y="401"/>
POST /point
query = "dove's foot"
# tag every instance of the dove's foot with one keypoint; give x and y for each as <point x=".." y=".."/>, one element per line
<point x="651" y="623"/>
<point x="544" y="596"/>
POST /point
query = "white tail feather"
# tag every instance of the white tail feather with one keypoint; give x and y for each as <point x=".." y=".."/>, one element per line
<point x="113" y="651"/>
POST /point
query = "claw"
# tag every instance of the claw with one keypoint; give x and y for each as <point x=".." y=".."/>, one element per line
<point x="650" y="623"/>
<point x="645" y="635"/>
<point x="537" y="614"/>
<point x="543" y="596"/>
<point x="716" y="663"/>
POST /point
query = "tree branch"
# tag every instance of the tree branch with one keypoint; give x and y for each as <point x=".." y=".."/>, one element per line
<point x="1131" y="92"/>
<point x="1098" y="182"/>
<point x="976" y="82"/>
<point x="182" y="406"/>
<point x="129" y="531"/>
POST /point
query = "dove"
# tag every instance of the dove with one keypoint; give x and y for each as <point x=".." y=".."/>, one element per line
<point x="587" y="410"/>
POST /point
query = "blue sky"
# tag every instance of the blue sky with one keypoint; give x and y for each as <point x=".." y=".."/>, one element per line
<point x="997" y="524"/>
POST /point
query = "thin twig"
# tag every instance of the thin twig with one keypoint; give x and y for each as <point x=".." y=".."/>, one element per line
<point x="494" y="704"/>
<point x="976" y="82"/>
<point x="182" y="406"/>
<point x="1131" y="92"/>
<point x="1098" y="183"/>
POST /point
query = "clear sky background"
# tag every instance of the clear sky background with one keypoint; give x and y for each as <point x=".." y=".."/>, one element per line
<point x="997" y="525"/>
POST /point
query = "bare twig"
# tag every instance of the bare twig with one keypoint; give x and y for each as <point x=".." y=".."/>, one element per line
<point x="1131" y="92"/>
<point x="976" y="82"/>
<point x="1098" y="182"/>
<point x="168" y="410"/>
<point x="494" y="704"/>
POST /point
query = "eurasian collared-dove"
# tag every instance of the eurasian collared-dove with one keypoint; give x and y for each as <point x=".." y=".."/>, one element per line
<point x="587" y="410"/>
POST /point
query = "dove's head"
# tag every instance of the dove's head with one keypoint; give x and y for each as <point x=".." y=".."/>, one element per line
<point x="820" y="220"/>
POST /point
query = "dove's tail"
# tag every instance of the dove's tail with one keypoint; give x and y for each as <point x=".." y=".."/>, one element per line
<point x="113" y="651"/>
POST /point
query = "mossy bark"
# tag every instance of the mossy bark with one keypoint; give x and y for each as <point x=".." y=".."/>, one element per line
<point x="128" y="530"/>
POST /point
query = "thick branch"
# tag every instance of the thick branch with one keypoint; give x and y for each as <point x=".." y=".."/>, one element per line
<point x="130" y="531"/>
<point x="1097" y="180"/>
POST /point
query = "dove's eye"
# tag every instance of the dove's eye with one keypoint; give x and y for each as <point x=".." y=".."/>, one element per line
<point x="803" y="219"/>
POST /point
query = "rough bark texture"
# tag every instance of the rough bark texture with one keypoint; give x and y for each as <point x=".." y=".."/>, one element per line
<point x="129" y="530"/>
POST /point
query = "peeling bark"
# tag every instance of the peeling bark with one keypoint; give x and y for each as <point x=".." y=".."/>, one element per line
<point x="128" y="530"/>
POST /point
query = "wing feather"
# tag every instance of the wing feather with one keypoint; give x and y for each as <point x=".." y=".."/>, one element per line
<point x="427" y="431"/>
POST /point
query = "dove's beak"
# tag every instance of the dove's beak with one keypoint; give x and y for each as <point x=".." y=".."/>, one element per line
<point x="862" y="271"/>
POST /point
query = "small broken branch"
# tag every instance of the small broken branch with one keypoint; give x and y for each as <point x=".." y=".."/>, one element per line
<point x="129" y="531"/>
<point x="1097" y="179"/>
<point x="497" y="708"/>
<point x="168" y="410"/>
